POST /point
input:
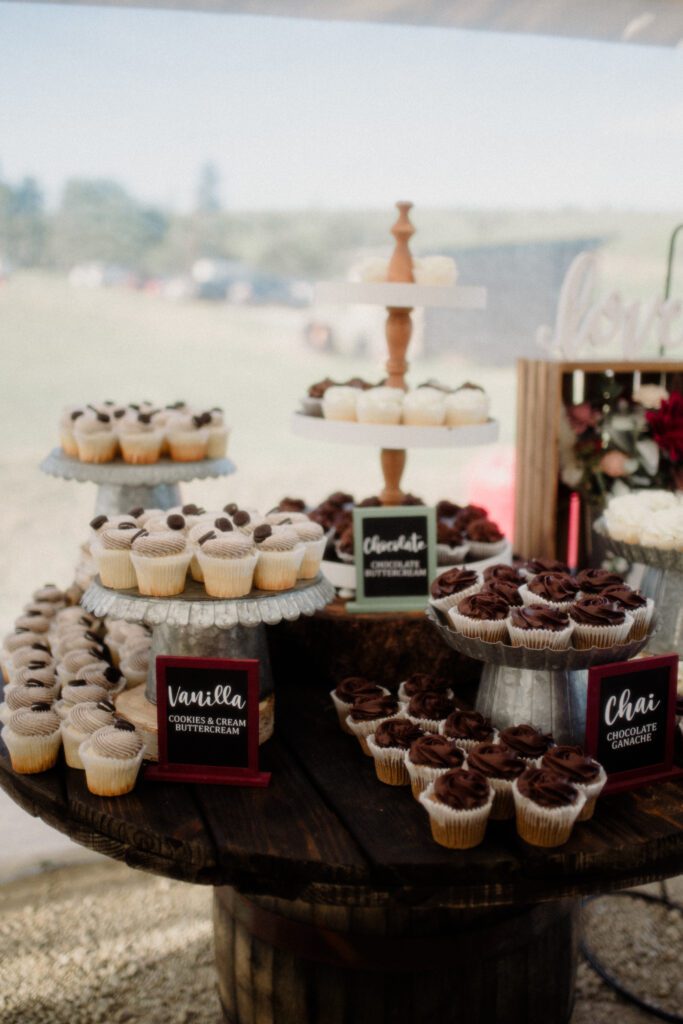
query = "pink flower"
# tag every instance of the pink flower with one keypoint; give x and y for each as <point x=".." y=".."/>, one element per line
<point x="582" y="417"/>
<point x="615" y="464"/>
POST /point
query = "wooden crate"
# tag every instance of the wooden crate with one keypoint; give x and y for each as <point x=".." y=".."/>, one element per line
<point x="541" y="500"/>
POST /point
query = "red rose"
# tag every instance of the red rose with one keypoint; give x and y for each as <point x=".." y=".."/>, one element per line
<point x="666" y="424"/>
<point x="582" y="417"/>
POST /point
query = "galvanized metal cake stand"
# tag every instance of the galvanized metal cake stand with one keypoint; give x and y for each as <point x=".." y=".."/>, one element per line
<point x="544" y="688"/>
<point x="121" y="486"/>
<point x="662" y="581"/>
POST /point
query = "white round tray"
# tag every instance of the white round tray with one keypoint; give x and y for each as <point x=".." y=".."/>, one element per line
<point x="379" y="435"/>
<point x="399" y="295"/>
<point x="121" y="474"/>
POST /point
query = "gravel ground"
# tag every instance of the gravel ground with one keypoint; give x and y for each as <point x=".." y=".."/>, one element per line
<point x="104" y="943"/>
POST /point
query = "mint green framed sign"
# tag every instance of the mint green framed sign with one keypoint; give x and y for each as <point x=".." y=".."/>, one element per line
<point x="395" y="550"/>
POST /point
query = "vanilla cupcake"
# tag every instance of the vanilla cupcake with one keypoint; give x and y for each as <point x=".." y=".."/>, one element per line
<point x="101" y="673"/>
<point x="218" y="434"/>
<point x="78" y="691"/>
<point x="280" y="554"/>
<point x="37" y="656"/>
<point x="33" y="621"/>
<point x="425" y="407"/>
<point x="67" y="424"/>
<point x="32" y="737"/>
<point x="188" y="437"/>
<point x="161" y="561"/>
<point x="380" y="405"/>
<point x="95" y="436"/>
<point x="71" y="663"/>
<point x="172" y="520"/>
<point x="17" y="697"/>
<point x="21" y="637"/>
<point x="51" y="593"/>
<point x="81" y="721"/>
<point x="135" y="664"/>
<point x="459" y="804"/>
<point x="103" y="522"/>
<point x="37" y="671"/>
<point x="112" y="553"/>
<point x="339" y="403"/>
<point x="468" y="404"/>
<point x="204" y="525"/>
<point x="140" y="438"/>
<point x="112" y="757"/>
<point x="227" y="560"/>
<point x="314" y="540"/>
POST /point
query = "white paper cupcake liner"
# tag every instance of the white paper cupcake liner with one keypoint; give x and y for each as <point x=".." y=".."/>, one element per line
<point x="426" y="724"/>
<point x="601" y="636"/>
<point x="503" y="799"/>
<point x="445" y="603"/>
<point x="361" y="730"/>
<point x="227" y="577"/>
<point x="541" y="639"/>
<point x="390" y="765"/>
<point x="161" y="577"/>
<point x="481" y="549"/>
<point x="313" y="556"/>
<point x="278" y="570"/>
<point x="545" y="826"/>
<point x="457" y="830"/>
<point x="217" y="445"/>
<point x="491" y="630"/>
<point x="463" y="743"/>
<point x="188" y="447"/>
<point x="447" y="555"/>
<point x="405" y="699"/>
<point x="528" y="597"/>
<point x="343" y="556"/>
<point x="97" y="447"/>
<point x="72" y="741"/>
<point x="109" y="776"/>
<point x="642" y="617"/>
<point x="141" y="449"/>
<point x="133" y="677"/>
<point x="31" y="754"/>
<point x="196" y="569"/>
<point x="591" y="791"/>
<point x="343" y="709"/>
<point x="421" y="775"/>
<point x="115" y="568"/>
<point x="424" y="417"/>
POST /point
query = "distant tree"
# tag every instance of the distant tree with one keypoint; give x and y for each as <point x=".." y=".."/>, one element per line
<point x="208" y="189"/>
<point x="22" y="223"/>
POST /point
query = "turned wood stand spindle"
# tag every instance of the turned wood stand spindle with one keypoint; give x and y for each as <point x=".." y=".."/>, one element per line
<point x="399" y="328"/>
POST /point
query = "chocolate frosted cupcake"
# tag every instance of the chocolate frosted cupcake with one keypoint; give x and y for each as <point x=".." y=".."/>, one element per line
<point x="556" y="589"/>
<point x="594" y="581"/>
<point x="632" y="601"/>
<point x="459" y="804"/>
<point x="467" y="728"/>
<point x="485" y="537"/>
<point x="422" y="682"/>
<point x="428" y="757"/>
<point x="451" y="544"/>
<point x="526" y="741"/>
<point x="482" y="617"/>
<point x="452" y="586"/>
<point x="506" y="591"/>
<point x="546" y="807"/>
<point x="347" y="692"/>
<point x="599" y="623"/>
<point x="428" y="708"/>
<point x="537" y="565"/>
<point x="367" y="714"/>
<point x="112" y="757"/>
<point x="501" y="766"/>
<point x="587" y="775"/>
<point x="507" y="573"/>
<point x="32" y="736"/>
<point x="539" y="626"/>
<point x="388" y="746"/>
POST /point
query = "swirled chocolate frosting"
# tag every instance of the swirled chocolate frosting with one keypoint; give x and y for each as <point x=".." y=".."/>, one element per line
<point x="539" y="616"/>
<point x="428" y="704"/>
<point x="547" y="788"/>
<point x="536" y="565"/>
<point x="597" y="611"/>
<point x="366" y="709"/>
<point x="526" y="741"/>
<point x="496" y="761"/>
<point x="485" y="531"/>
<point x="432" y="751"/>
<point x="462" y="789"/>
<point x="506" y="591"/>
<point x="453" y="581"/>
<point x="483" y="607"/>
<point x="571" y="762"/>
<point x="594" y="581"/>
<point x="624" y="596"/>
<point x="397" y="732"/>
<point x="559" y="587"/>
<point x="504" y="572"/>
<point x="419" y="682"/>
<point x="356" y="686"/>
<point x="468" y="725"/>
<point x="468" y="514"/>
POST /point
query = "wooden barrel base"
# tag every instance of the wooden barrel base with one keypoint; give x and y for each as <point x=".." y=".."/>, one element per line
<point x="293" y="962"/>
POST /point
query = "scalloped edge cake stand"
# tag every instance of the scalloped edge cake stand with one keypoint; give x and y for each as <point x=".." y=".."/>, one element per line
<point x="662" y="581"/>
<point x="546" y="688"/>
<point x="121" y="486"/>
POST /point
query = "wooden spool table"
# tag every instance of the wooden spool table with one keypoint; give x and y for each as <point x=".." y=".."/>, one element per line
<point x="332" y="904"/>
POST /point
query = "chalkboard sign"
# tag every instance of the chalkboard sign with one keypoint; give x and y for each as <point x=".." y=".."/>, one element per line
<point x="631" y="719"/>
<point x="208" y="720"/>
<point x="395" y="549"/>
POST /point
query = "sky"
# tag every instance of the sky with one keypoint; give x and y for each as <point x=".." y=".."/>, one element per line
<point x="301" y="114"/>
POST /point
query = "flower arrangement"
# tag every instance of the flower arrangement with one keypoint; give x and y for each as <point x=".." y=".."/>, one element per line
<point x="615" y="441"/>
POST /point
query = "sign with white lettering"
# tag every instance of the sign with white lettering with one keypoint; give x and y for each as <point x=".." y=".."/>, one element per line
<point x="631" y="719"/>
<point x="395" y="549"/>
<point x="208" y="720"/>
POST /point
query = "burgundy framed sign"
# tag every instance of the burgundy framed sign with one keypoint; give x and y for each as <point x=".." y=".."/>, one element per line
<point x="208" y="720"/>
<point x="631" y="720"/>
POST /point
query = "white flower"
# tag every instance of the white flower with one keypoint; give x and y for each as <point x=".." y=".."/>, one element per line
<point x="649" y="454"/>
<point x="372" y="269"/>
<point x="435" y="270"/>
<point x="650" y="396"/>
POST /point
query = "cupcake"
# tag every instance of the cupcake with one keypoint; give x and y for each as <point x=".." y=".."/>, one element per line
<point x="173" y="521"/>
<point x="312" y="536"/>
<point x="506" y="591"/>
<point x="380" y="405"/>
<point x="280" y="554"/>
<point x="227" y="561"/>
<point x="50" y="592"/>
<point x="81" y="721"/>
<point x="599" y="623"/>
<point x="31" y="657"/>
<point x="161" y="562"/>
<point x="140" y="437"/>
<point x="67" y="425"/>
<point x="35" y="670"/>
<point x="78" y="691"/>
<point x="348" y="690"/>
<point x="594" y="581"/>
<point x="640" y="608"/>
<point x="20" y="638"/>
<point x="539" y="626"/>
<point x="556" y="589"/>
<point x="101" y="673"/>
<point x="17" y="697"/>
<point x="367" y="714"/>
<point x="504" y="573"/>
<point x="218" y="434"/>
<point x="451" y="544"/>
<point x="501" y="766"/>
<point x="188" y="437"/>
<point x="429" y="756"/>
<point x="546" y="807"/>
<point x="339" y="403"/>
<point x="73" y="661"/>
<point x="135" y="665"/>
<point x="537" y="565"/>
<point x="458" y="803"/>
<point x="468" y="404"/>
<point x="33" y="621"/>
<point x="485" y="538"/>
<point x="425" y="407"/>
<point x="95" y="437"/>
<point x="526" y="741"/>
<point x="388" y="746"/>
<point x="112" y="552"/>
<point x="451" y="587"/>
<point x="467" y="729"/>
<point x="345" y="546"/>
<point x="587" y="775"/>
<point x="112" y="757"/>
<point x="423" y="682"/>
<point x="468" y="513"/>
<point x="428" y="709"/>
<point x="32" y="737"/>
<point x="481" y="616"/>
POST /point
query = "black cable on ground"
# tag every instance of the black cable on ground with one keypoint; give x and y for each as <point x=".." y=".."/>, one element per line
<point x="610" y="979"/>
